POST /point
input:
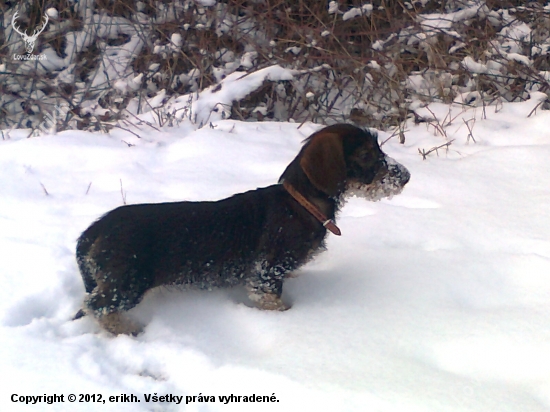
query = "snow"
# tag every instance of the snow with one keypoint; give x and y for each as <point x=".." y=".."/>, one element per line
<point x="52" y="12"/>
<point x="364" y="10"/>
<point x="474" y="67"/>
<point x="214" y="102"/>
<point x="437" y="21"/>
<point x="435" y="300"/>
<point x="520" y="58"/>
<point x="176" y="40"/>
<point x="205" y="3"/>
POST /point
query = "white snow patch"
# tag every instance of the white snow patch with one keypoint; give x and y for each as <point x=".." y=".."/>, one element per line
<point x="364" y="10"/>
<point x="444" y="22"/>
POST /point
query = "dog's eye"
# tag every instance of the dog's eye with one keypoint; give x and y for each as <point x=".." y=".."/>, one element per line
<point x="368" y="154"/>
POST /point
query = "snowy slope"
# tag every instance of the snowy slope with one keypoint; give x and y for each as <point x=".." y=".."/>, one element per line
<point x="437" y="300"/>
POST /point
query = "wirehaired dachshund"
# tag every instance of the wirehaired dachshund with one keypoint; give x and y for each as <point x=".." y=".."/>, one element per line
<point x="256" y="238"/>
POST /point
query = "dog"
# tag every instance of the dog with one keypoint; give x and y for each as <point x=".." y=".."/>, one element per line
<point x="255" y="239"/>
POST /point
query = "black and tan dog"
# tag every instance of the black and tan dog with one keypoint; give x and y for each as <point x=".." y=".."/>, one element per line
<point x="254" y="238"/>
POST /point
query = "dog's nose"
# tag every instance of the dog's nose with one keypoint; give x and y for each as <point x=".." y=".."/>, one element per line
<point x="405" y="175"/>
<point x="398" y="170"/>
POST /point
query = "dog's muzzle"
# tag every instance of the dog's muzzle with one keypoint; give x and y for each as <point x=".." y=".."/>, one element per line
<point x="388" y="182"/>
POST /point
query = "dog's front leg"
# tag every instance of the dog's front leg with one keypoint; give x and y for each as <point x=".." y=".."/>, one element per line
<point x="266" y="287"/>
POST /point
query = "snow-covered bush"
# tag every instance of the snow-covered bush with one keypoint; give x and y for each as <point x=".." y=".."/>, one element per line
<point x="107" y="60"/>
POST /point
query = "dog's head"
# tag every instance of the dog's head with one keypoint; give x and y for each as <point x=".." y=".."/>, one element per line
<point x="346" y="160"/>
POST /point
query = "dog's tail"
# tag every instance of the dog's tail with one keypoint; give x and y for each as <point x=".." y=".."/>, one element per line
<point x="85" y="262"/>
<point x="79" y="314"/>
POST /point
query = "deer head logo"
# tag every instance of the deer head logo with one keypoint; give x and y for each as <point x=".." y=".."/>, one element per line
<point x="29" y="40"/>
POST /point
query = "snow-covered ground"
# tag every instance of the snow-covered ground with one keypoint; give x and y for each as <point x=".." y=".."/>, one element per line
<point x="436" y="300"/>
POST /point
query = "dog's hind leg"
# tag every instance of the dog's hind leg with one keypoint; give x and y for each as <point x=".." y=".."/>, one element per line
<point x="110" y="314"/>
<point x="112" y="297"/>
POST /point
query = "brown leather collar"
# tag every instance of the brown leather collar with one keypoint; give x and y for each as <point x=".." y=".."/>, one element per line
<point x="311" y="208"/>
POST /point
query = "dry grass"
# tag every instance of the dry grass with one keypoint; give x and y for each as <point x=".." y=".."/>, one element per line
<point x="368" y="60"/>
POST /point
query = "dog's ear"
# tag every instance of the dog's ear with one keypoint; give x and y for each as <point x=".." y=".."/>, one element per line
<point x="323" y="162"/>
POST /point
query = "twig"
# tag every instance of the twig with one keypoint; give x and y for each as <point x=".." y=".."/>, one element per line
<point x="437" y="124"/>
<point x="424" y="154"/>
<point x="44" y="189"/>
<point x="128" y="130"/>
<point x="535" y="108"/>
<point x="122" y="193"/>
<point x="470" y="134"/>
<point x="141" y="121"/>
<point x="399" y="132"/>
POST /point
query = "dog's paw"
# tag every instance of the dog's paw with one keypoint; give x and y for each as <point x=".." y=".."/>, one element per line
<point x="119" y="324"/>
<point x="271" y="302"/>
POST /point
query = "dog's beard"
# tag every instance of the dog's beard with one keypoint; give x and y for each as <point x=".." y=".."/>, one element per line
<point x="388" y="182"/>
<point x="372" y="192"/>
